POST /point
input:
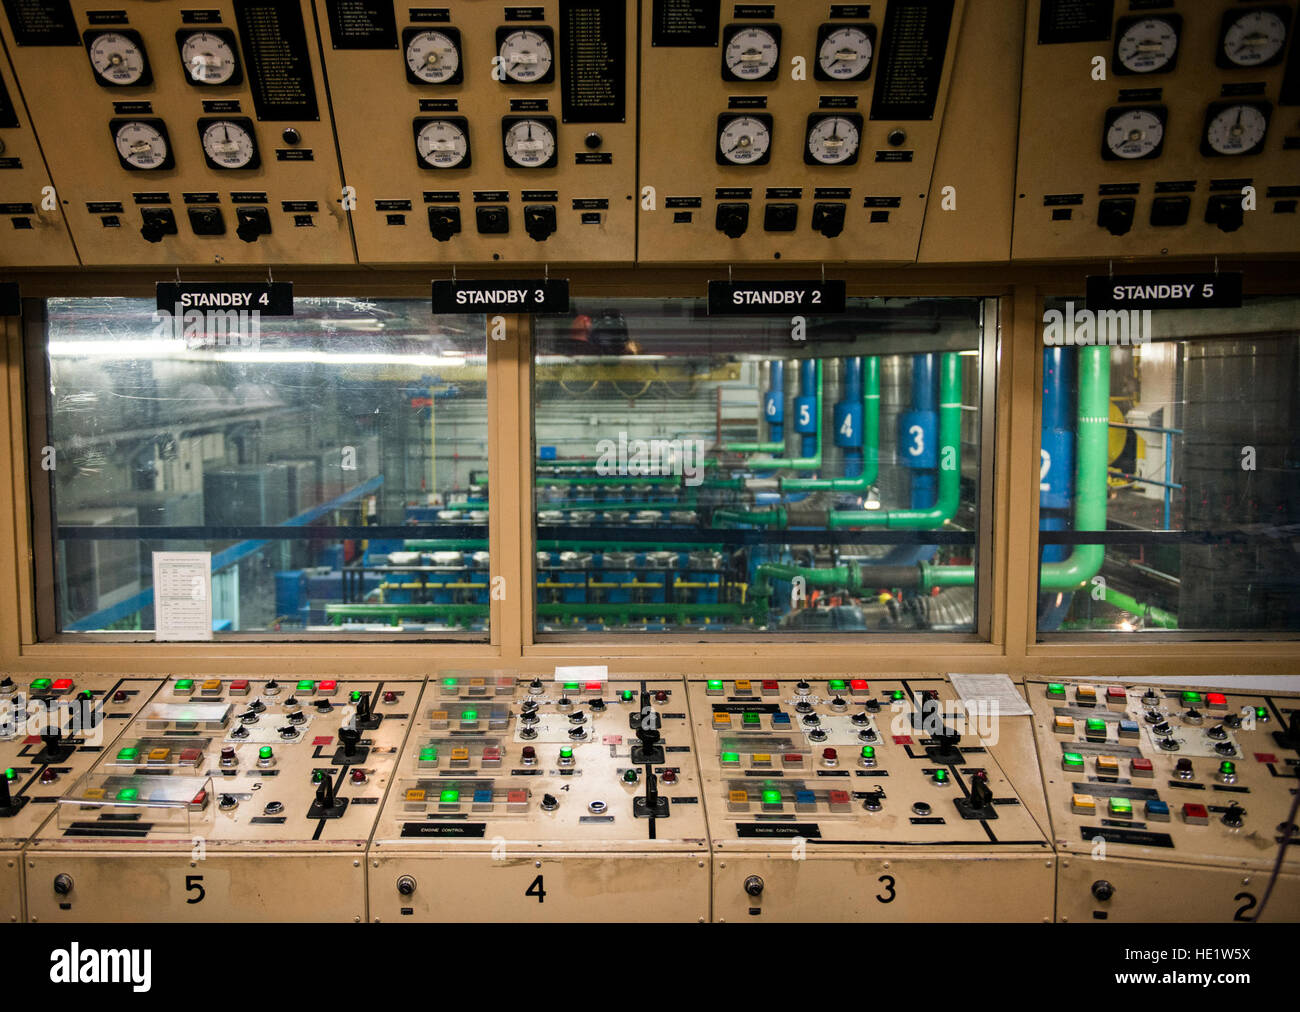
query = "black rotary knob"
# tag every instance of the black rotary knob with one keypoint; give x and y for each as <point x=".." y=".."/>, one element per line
<point x="406" y="885"/>
<point x="1102" y="890"/>
<point x="754" y="885"/>
<point x="549" y="804"/>
<point x="62" y="884"/>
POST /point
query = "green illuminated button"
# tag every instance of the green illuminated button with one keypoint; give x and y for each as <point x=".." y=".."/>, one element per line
<point x="1228" y="769"/>
<point x="838" y="685"/>
<point x="317" y="776"/>
<point x="1261" y="713"/>
<point x="264" y="752"/>
<point x="128" y="755"/>
<point x="940" y="776"/>
<point x="571" y="686"/>
<point x="896" y="694"/>
<point x="1095" y="725"/>
<point x="730" y="758"/>
<point x="127" y="794"/>
<point x="469" y="715"/>
<point x="185" y="685"/>
<point x="751" y="719"/>
<point x="715" y="684"/>
<point x="1056" y="690"/>
<point x="771" y="797"/>
<point x="449" y="682"/>
<point x="306" y="685"/>
<point x="1072" y="761"/>
<point x="428" y="755"/>
<point x="41" y="684"/>
<point x="449" y="796"/>
<point x="1191" y="697"/>
<point x="629" y="776"/>
<point x="1121" y="806"/>
<point x="355" y="695"/>
<point x="86" y="694"/>
<point x="628" y="695"/>
<point x="11" y="774"/>
<point x="566" y="752"/>
<point x="868" y="752"/>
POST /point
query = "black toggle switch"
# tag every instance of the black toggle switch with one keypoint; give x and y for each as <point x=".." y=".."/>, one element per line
<point x="828" y="219"/>
<point x="1115" y="215"/>
<point x="9" y="805"/>
<point x="492" y="219"/>
<point x="251" y="223"/>
<point x="327" y="805"/>
<point x="732" y="219"/>
<point x="652" y="805"/>
<point x="157" y="222"/>
<point x="539" y="221"/>
<point x="549" y="804"/>
<point x="350" y="751"/>
<point x="646" y="724"/>
<point x="1225" y="212"/>
<point x="207" y="221"/>
<point x="1234" y="816"/>
<point x="946" y="752"/>
<point x="444" y="222"/>
<point x="367" y="719"/>
<point x="979" y="805"/>
<point x="1290" y="737"/>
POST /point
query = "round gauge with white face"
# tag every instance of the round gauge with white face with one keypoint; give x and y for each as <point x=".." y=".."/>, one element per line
<point x="526" y="55"/>
<point x="751" y="52"/>
<point x="744" y="140"/>
<point x="833" y="140"/>
<point x="209" y="57"/>
<point x="118" y="58"/>
<point x="1253" y="38"/>
<point x="141" y="144"/>
<point x="433" y="56"/>
<point x="844" y="52"/>
<point x="1147" y="45"/>
<point x="442" y="143"/>
<point x="1235" y="128"/>
<point x="1134" y="132"/>
<point x="229" y="143"/>
<point x="530" y="142"/>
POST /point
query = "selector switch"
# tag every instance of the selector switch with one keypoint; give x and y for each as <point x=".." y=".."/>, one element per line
<point x="1225" y="212"/>
<point x="444" y="222"/>
<point x="251" y="223"/>
<point x="157" y="222"/>
<point x="492" y="219"/>
<point x="539" y="221"/>
<point x="780" y="217"/>
<point x="207" y="221"/>
<point x="1170" y="212"/>
<point x="828" y="219"/>
<point x="732" y="220"/>
<point x="1115" y="215"/>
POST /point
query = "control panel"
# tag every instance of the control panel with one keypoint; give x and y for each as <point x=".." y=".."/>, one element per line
<point x="779" y="134"/>
<point x="1169" y="804"/>
<point x="206" y="805"/>
<point x="52" y="730"/>
<point x="31" y="220"/>
<point x="477" y="132"/>
<point x="543" y="800"/>
<point x="181" y="136"/>
<point x="881" y="799"/>
<point x="1174" y="130"/>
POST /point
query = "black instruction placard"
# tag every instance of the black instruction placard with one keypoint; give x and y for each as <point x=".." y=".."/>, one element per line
<point x="593" y="61"/>
<point x="685" y="22"/>
<point x="42" y="22"/>
<point x="1074" y="21"/>
<point x="912" y="45"/>
<point x="274" y="42"/>
<point x="362" y="24"/>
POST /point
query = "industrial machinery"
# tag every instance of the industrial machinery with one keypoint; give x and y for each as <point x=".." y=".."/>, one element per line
<point x="869" y="799"/>
<point x="544" y="799"/>
<point x="52" y="731"/>
<point x="206" y="804"/>
<point x="1170" y="803"/>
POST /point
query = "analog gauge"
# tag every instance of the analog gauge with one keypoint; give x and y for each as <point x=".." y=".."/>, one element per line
<point x="529" y="141"/>
<point x="118" y="58"/>
<point x="751" y="53"/>
<point x="141" y="144"/>
<point x="433" y="56"/>
<point x="525" y="55"/>
<point x="442" y="143"/>
<point x="209" y="56"/>
<point x="833" y="140"/>
<point x="1253" y="38"/>
<point x="744" y="140"/>
<point x="844" y="52"/>
<point x="1147" y="45"/>
<point x="229" y="143"/>
<point x="1235" y="128"/>
<point x="1134" y="132"/>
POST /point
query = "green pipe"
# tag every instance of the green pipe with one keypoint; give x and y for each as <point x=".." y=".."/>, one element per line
<point x="444" y="544"/>
<point x="1149" y="612"/>
<point x="837" y="577"/>
<point x="777" y="447"/>
<point x="474" y="544"/>
<point x="870" y="442"/>
<point x="630" y="479"/>
<point x="812" y="463"/>
<point x="561" y="610"/>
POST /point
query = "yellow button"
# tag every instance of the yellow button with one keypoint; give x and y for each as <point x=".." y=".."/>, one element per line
<point x="1065" y="725"/>
<point x="1107" y="764"/>
<point x="459" y="754"/>
<point x="735" y="797"/>
<point x="98" y="792"/>
<point x="742" y="687"/>
<point x="762" y="757"/>
<point x="1086" y="692"/>
<point x="159" y="755"/>
<point x="1084" y="803"/>
<point x="477" y="681"/>
<point x="438" y="715"/>
<point x="722" y="720"/>
<point x="212" y="685"/>
<point x="414" y="794"/>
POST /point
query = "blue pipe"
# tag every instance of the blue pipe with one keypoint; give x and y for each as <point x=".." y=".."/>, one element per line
<point x="808" y="388"/>
<point x="852" y="397"/>
<point x="776" y="393"/>
<point x="925" y="397"/>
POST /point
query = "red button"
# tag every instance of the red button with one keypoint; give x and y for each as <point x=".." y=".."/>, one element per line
<point x="839" y="797"/>
<point x="792" y="757"/>
<point x="1195" y="813"/>
<point x="902" y="739"/>
<point x="119" y="696"/>
<point x="516" y="797"/>
<point x="592" y="686"/>
<point x="48" y="776"/>
<point x="859" y="685"/>
<point x="62" y="685"/>
<point x="390" y="697"/>
<point x="1217" y="700"/>
<point x="670" y="777"/>
<point x="327" y="686"/>
<point x="239" y="685"/>
<point x="200" y="799"/>
<point x="772" y="685"/>
<point x="529" y="752"/>
<point x="1116" y="692"/>
<point x="661" y="696"/>
<point x="191" y="755"/>
<point x="492" y="754"/>
<point x="358" y="776"/>
<point x="830" y="755"/>
<point x="1142" y="766"/>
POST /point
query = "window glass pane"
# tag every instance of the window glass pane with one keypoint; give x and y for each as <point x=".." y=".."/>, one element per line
<point x="733" y="474"/>
<point x="298" y="450"/>
<point x="1181" y="444"/>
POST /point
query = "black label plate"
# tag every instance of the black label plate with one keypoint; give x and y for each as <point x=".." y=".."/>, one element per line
<point x="267" y="298"/>
<point x="1165" y="291"/>
<point x="533" y="295"/>
<point x="770" y="298"/>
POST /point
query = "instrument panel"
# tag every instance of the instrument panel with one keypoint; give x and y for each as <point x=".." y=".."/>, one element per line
<point x="1183" y="136"/>
<point x="185" y="136"/>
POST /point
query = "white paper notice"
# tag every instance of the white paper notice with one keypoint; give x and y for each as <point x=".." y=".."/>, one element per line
<point x="986" y="689"/>
<point x="182" y="595"/>
<point x="589" y="673"/>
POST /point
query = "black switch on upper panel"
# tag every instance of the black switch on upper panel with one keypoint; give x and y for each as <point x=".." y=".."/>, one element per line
<point x="1168" y="212"/>
<point x="539" y="221"/>
<point x="1226" y="212"/>
<point x="207" y="221"/>
<point x="156" y="222"/>
<point x="828" y="219"/>
<point x="780" y="217"/>
<point x="251" y="223"/>
<point x="733" y="219"/>
<point x="444" y="222"/>
<point x="1115" y="215"/>
<point x="492" y="219"/>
